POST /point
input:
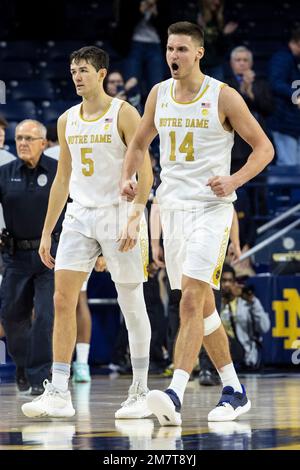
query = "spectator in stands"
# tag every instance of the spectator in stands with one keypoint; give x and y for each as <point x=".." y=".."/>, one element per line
<point x="140" y="27"/>
<point x="5" y="156"/>
<point x="244" y="320"/>
<point x="217" y="36"/>
<point x="52" y="149"/>
<point x="116" y="87"/>
<point x="27" y="284"/>
<point x="285" y="123"/>
<point x="257" y="94"/>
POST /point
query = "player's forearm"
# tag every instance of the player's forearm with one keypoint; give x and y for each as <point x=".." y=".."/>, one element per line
<point x="256" y="162"/>
<point x="234" y="231"/>
<point x="57" y="200"/>
<point x="145" y="182"/>
<point x="133" y="160"/>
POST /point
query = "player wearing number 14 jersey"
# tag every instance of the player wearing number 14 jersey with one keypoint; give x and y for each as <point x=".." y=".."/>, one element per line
<point x="93" y="138"/>
<point x="195" y="117"/>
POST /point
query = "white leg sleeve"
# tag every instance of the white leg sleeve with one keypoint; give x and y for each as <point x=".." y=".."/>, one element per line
<point x="132" y="304"/>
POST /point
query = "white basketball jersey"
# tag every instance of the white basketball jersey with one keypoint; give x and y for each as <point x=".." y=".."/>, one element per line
<point x="194" y="146"/>
<point x="97" y="152"/>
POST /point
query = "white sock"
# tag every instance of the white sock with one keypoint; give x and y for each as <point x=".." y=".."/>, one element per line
<point x="60" y="375"/>
<point x="179" y="382"/>
<point x="229" y="378"/>
<point x="82" y="352"/>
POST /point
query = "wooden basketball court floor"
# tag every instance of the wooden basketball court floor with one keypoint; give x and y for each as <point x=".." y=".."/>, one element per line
<point x="272" y="423"/>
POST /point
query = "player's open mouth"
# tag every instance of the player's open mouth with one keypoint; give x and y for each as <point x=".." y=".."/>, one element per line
<point x="175" y="67"/>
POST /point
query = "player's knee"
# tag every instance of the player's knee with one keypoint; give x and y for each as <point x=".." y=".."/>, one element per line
<point x="132" y="303"/>
<point x="212" y="323"/>
<point x="193" y="294"/>
<point x="189" y="305"/>
<point x="62" y="302"/>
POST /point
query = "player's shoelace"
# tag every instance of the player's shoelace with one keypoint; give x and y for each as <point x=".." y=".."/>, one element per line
<point x="133" y="399"/>
<point x="50" y="391"/>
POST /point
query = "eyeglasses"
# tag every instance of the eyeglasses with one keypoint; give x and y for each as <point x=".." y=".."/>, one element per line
<point x="27" y="138"/>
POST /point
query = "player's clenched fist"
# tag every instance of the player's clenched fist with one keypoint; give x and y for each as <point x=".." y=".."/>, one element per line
<point x="128" y="189"/>
<point x="222" y="185"/>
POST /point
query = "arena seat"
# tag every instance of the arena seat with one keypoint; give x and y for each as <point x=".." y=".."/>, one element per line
<point x="15" y="70"/>
<point x="20" y="110"/>
<point x="51" y="114"/>
<point x="20" y="50"/>
<point x="35" y="90"/>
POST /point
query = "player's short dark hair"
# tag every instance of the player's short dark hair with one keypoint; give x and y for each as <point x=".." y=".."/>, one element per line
<point x="228" y="269"/>
<point x="295" y="35"/>
<point x="188" y="29"/>
<point x="95" y="56"/>
<point x="3" y="122"/>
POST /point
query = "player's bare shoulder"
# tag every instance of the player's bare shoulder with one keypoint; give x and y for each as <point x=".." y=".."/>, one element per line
<point x="152" y="97"/>
<point x="127" y="111"/>
<point x="128" y="121"/>
<point x="229" y="100"/>
<point x="62" y="120"/>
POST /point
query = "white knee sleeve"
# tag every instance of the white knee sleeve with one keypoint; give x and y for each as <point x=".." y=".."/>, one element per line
<point x="132" y="304"/>
<point x="212" y="323"/>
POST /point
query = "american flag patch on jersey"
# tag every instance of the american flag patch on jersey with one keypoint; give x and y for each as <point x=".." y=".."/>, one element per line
<point x="205" y="105"/>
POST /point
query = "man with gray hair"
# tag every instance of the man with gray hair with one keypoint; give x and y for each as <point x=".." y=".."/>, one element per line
<point x="28" y="285"/>
<point x="256" y="93"/>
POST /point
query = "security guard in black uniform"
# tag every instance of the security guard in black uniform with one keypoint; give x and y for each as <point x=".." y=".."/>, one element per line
<point x="28" y="285"/>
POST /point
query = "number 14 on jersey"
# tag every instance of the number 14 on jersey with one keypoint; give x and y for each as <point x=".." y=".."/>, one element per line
<point x="186" y="146"/>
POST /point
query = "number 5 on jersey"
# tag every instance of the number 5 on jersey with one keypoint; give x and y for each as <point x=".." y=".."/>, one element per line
<point x="88" y="163"/>
<point x="186" y="146"/>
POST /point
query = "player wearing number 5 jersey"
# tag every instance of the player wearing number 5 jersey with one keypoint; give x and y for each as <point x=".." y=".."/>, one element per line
<point x="195" y="117"/>
<point x="93" y="138"/>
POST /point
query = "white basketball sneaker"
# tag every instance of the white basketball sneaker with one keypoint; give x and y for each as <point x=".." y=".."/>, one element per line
<point x="52" y="403"/>
<point x="166" y="406"/>
<point x="135" y="406"/>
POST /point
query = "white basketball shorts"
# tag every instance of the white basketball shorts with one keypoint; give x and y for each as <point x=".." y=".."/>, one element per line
<point x="89" y="232"/>
<point x="195" y="242"/>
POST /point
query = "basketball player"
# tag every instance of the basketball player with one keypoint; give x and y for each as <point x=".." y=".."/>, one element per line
<point x="195" y="117"/>
<point x="93" y="137"/>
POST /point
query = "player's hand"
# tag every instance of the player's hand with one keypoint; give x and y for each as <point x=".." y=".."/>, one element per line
<point x="130" y="234"/>
<point x="44" y="251"/>
<point x="100" y="265"/>
<point x="158" y="255"/>
<point x="234" y="252"/>
<point x="128" y="189"/>
<point x="152" y="269"/>
<point x="222" y="186"/>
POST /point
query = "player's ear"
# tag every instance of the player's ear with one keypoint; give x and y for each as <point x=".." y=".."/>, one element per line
<point x="102" y="73"/>
<point x="200" y="53"/>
